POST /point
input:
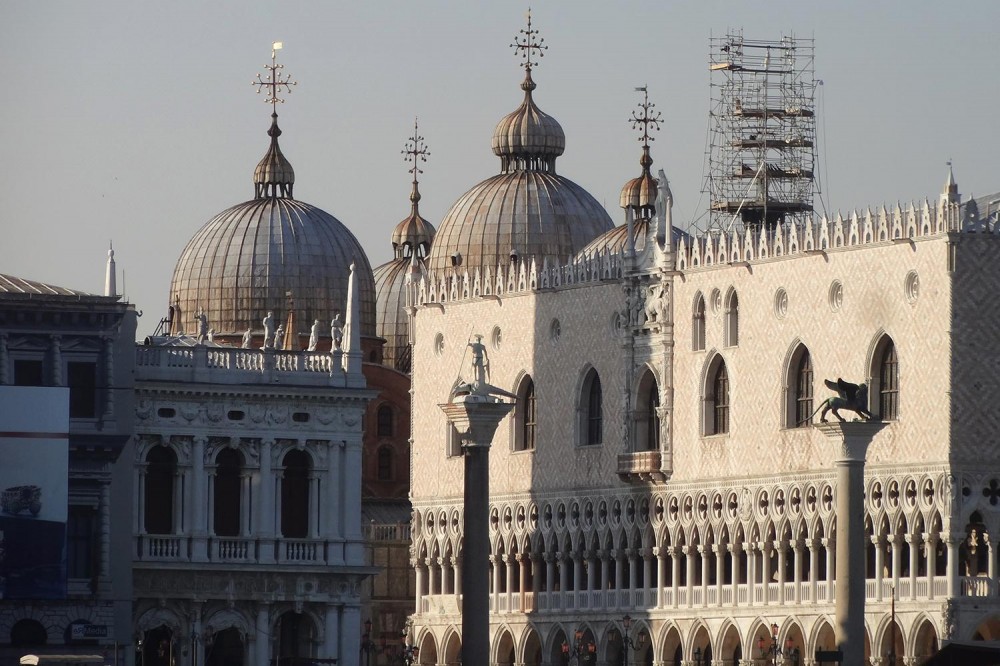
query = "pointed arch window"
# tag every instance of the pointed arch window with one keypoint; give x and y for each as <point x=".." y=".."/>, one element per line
<point x="888" y="395"/>
<point x="716" y="402"/>
<point x="698" y="324"/>
<point x="799" y="389"/>
<point x="647" y="419"/>
<point x="732" y="319"/>
<point x="525" y="416"/>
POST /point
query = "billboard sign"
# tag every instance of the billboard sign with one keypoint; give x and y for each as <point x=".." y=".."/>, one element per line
<point x="34" y="491"/>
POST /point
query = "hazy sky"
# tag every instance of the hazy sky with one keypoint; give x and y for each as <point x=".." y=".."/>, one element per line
<point x="136" y="121"/>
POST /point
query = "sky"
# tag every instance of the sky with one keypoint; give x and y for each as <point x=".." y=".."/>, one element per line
<point x="135" y="122"/>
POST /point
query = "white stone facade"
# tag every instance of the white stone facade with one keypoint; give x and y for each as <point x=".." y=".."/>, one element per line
<point x="247" y="538"/>
<point x="707" y="532"/>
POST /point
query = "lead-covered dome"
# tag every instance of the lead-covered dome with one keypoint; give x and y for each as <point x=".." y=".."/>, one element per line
<point x="264" y="254"/>
<point x="527" y="209"/>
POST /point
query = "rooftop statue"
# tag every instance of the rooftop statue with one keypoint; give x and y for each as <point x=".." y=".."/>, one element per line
<point x="337" y="331"/>
<point x="246" y="339"/>
<point x="269" y="331"/>
<point x="314" y="335"/>
<point x="853" y="397"/>
<point x="279" y="337"/>
<point x="479" y="387"/>
<point x="203" y="332"/>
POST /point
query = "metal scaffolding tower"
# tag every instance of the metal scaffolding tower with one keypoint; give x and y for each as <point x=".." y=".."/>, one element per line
<point x="763" y="131"/>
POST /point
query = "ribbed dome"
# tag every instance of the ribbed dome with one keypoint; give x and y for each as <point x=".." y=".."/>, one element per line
<point x="528" y="135"/>
<point x="244" y="262"/>
<point x="413" y="234"/>
<point x="639" y="193"/>
<point x="532" y="213"/>
<point x="614" y="241"/>
<point x="392" y="321"/>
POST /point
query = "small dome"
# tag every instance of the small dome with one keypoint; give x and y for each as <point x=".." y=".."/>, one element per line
<point x="274" y="175"/>
<point x="639" y="193"/>
<point x="392" y="321"/>
<point x="528" y="136"/>
<point x="413" y="234"/>
<point x="530" y="213"/>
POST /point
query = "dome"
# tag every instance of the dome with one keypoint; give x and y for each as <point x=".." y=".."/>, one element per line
<point x="531" y="213"/>
<point x="392" y="321"/>
<point x="614" y="241"/>
<point x="413" y="234"/>
<point x="255" y="257"/>
<point x="527" y="209"/>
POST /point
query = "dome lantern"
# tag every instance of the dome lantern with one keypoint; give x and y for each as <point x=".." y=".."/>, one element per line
<point x="414" y="234"/>
<point x="639" y="194"/>
<point x="274" y="177"/>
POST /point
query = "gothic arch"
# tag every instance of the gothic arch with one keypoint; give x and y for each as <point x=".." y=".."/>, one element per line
<point x="796" y="390"/>
<point x="711" y="423"/>
<point x="159" y="617"/>
<point x="229" y="618"/>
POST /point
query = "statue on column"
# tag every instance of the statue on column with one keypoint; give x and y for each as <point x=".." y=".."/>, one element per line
<point x="853" y="397"/>
<point x="337" y="331"/>
<point x="269" y="331"/>
<point x="480" y="369"/>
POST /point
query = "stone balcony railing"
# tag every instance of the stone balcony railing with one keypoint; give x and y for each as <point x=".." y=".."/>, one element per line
<point x="239" y="366"/>
<point x="244" y="550"/>
<point x="641" y="466"/>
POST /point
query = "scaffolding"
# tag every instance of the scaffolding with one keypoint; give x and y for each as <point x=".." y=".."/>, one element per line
<point x="763" y="132"/>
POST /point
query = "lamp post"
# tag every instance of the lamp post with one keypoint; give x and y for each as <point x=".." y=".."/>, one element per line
<point x="367" y="644"/>
<point x="627" y="642"/>
<point x="582" y="651"/>
<point x="697" y="656"/>
<point x="773" y="650"/>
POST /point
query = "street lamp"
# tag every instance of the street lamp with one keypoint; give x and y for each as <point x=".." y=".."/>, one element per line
<point x="697" y="656"/>
<point x="582" y="651"/>
<point x="627" y="642"/>
<point x="367" y="644"/>
<point x="774" y="651"/>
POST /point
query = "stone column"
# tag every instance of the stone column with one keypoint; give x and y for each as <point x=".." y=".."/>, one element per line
<point x="748" y="548"/>
<point x="476" y="417"/>
<point x="781" y="547"/>
<point x="851" y="440"/>
<point x="563" y="574"/>
<point x="675" y="572"/>
<point x="331" y="632"/>
<point x="199" y="508"/>
<point x="109" y="378"/>
<point x="334" y="527"/>
<point x="897" y="547"/>
<point x="797" y="570"/>
<point x="457" y="568"/>
<point x="930" y="554"/>
<point x="266" y="504"/>
<point x="879" y="563"/>
<point x="689" y="553"/>
<point x="263" y="634"/>
<point x="814" y="546"/>
<point x="720" y="570"/>
<point x="704" y="551"/>
<point x="765" y="570"/>
<point x="350" y="634"/>
<point x="661" y="574"/>
<point x="734" y="571"/>
<point x="952" y="541"/>
<point x="647" y="568"/>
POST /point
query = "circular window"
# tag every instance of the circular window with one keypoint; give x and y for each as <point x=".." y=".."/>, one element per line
<point x="716" y="301"/>
<point x="555" y="330"/>
<point x="780" y="303"/>
<point x="496" y="337"/>
<point x="911" y="287"/>
<point x="439" y="344"/>
<point x="836" y="296"/>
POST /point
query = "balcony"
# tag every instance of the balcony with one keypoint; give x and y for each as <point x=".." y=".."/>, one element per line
<point x="237" y="366"/>
<point x="241" y="550"/>
<point x="642" y="467"/>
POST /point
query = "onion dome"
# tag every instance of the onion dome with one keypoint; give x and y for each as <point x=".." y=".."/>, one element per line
<point x="274" y="175"/>
<point x="255" y="257"/>
<point x="639" y="194"/>
<point x="527" y="209"/>
<point x="414" y="234"/>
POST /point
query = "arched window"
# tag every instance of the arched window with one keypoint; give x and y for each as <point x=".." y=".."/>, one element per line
<point x="888" y="390"/>
<point x="295" y="495"/>
<point x="591" y="414"/>
<point x="698" y="324"/>
<point x="799" y="389"/>
<point x="716" y="402"/>
<point x="384" y="462"/>
<point x="525" y="414"/>
<point x="732" y="319"/>
<point x="161" y="468"/>
<point x="227" y="492"/>
<point x="295" y="637"/>
<point x="803" y="391"/>
<point x="647" y="421"/>
<point x="384" y="425"/>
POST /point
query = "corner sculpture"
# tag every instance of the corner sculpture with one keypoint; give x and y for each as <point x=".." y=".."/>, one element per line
<point x="268" y="324"/>
<point x="852" y="397"/>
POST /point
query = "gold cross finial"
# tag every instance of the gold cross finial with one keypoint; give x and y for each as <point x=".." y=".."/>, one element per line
<point x="415" y="151"/>
<point x="275" y="82"/>
<point x="526" y="44"/>
<point x="647" y="119"/>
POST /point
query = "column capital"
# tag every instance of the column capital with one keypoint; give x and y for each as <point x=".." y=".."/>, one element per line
<point x="852" y="438"/>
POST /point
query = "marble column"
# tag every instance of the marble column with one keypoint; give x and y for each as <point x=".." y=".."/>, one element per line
<point x="331" y="632"/>
<point x="266" y="504"/>
<point x="852" y="440"/>
<point x="199" y="507"/>
<point x="263" y="634"/>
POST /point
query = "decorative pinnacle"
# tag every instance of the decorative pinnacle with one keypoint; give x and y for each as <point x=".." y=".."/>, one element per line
<point x="415" y="151"/>
<point x="274" y="82"/>
<point x="648" y="119"/>
<point x="526" y="44"/>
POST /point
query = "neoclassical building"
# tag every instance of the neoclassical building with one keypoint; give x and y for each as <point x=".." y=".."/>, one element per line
<point x="661" y="461"/>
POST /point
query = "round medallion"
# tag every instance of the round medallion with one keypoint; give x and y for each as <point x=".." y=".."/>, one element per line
<point x="911" y="287"/>
<point x="780" y="303"/>
<point x="836" y="296"/>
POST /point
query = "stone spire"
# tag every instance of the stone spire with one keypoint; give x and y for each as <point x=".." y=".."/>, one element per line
<point x="110" y="285"/>
<point x="950" y="192"/>
<point x="352" y="329"/>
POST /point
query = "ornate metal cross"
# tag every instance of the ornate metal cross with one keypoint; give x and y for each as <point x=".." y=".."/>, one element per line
<point x="525" y="45"/>
<point x="647" y="119"/>
<point x="415" y="151"/>
<point x="275" y="82"/>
